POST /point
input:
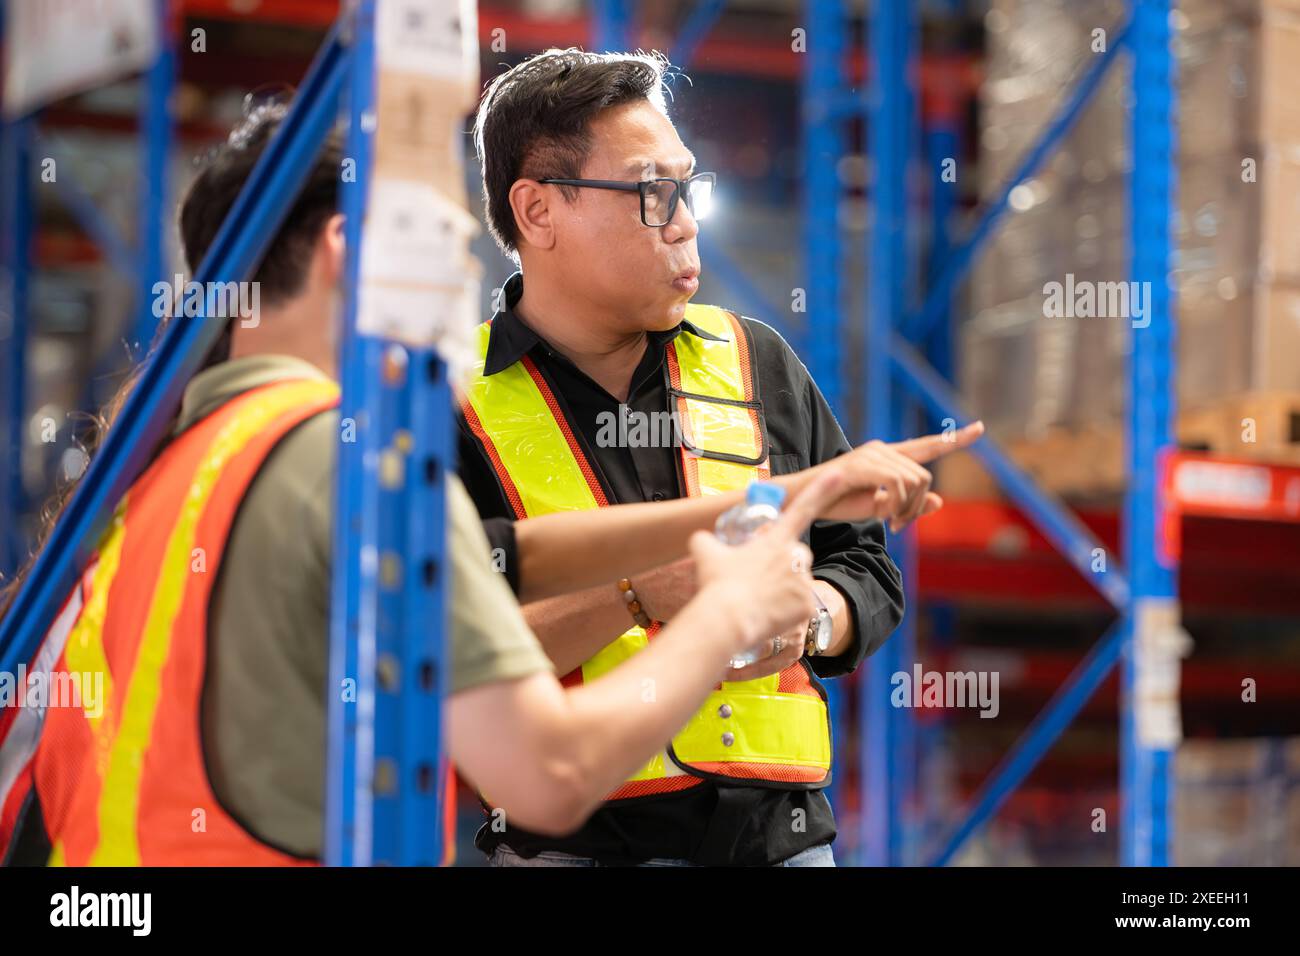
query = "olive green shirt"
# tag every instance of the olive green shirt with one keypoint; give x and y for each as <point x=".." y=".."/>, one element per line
<point x="264" y="696"/>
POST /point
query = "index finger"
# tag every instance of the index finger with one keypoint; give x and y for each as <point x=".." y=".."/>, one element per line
<point x="930" y="447"/>
<point x="803" y="509"/>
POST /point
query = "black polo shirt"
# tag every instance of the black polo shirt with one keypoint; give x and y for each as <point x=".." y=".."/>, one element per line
<point x="710" y="824"/>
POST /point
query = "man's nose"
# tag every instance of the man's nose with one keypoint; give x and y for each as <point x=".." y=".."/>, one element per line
<point x="682" y="227"/>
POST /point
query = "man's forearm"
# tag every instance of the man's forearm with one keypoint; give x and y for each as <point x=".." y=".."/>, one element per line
<point x="573" y="627"/>
<point x="612" y="725"/>
<point x="572" y="550"/>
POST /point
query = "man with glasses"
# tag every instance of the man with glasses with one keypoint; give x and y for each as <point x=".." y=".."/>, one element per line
<point x="589" y="188"/>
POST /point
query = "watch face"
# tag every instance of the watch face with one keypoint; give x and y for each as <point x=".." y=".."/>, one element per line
<point x="822" y="637"/>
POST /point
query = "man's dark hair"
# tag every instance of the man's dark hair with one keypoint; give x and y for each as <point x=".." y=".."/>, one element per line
<point x="533" y="121"/>
<point x="223" y="174"/>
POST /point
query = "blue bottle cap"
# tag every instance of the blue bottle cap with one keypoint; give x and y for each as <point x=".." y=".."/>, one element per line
<point x="765" y="493"/>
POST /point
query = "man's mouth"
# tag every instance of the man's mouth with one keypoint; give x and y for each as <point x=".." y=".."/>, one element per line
<point x="688" y="280"/>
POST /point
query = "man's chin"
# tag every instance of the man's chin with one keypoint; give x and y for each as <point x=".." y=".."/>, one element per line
<point x="677" y="311"/>
<point x="671" y="318"/>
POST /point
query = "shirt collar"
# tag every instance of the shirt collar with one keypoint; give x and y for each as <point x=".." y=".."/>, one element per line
<point x="214" y="386"/>
<point x="511" y="338"/>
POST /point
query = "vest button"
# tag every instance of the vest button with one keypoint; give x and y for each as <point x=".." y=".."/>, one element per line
<point x="728" y="739"/>
<point x="724" y="710"/>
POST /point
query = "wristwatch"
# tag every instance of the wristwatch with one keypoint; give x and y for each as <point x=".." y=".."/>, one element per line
<point x="818" y="638"/>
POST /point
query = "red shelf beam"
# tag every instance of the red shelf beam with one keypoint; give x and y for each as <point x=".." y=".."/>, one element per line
<point x="945" y="79"/>
<point x="1235" y="524"/>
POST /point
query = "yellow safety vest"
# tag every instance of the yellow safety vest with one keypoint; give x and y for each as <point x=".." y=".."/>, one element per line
<point x="773" y="731"/>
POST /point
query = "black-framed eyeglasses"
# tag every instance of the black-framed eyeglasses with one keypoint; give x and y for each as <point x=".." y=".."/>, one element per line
<point x="658" y="196"/>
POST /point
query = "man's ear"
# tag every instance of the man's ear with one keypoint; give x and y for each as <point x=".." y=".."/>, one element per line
<point x="332" y="247"/>
<point x="530" y="204"/>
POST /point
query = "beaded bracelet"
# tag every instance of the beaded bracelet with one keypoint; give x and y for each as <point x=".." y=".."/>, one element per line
<point x="633" y="605"/>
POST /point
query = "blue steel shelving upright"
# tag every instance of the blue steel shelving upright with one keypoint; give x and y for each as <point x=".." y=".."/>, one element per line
<point x="385" y="772"/>
<point x="385" y="786"/>
<point x="1145" y="596"/>
<point x="15" y="268"/>
<point x="142" y="261"/>
<point x="884" y="743"/>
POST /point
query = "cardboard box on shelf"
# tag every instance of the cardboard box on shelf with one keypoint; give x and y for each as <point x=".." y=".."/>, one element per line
<point x="1278" y="170"/>
<point x="1217" y="226"/>
<point x="1028" y="250"/>
<point x="1238" y="336"/>
<point x="1015" y="366"/>
<point x="1277" y="337"/>
<point x="1218" y="87"/>
<point x="1278" y="76"/>
<point x="1214" y="342"/>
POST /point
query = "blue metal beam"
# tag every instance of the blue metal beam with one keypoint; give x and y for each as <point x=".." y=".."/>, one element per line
<point x="694" y="30"/>
<point x="942" y="143"/>
<point x="747" y="296"/>
<point x="386" y="774"/>
<point x="1037" y="739"/>
<point x="937" y="302"/>
<point x="1052" y="518"/>
<point x="99" y="228"/>
<point x="152" y="203"/>
<point x="823" y="145"/>
<point x="890" y="101"/>
<point x="15" y="316"/>
<point x="354" y="611"/>
<point x="819" y="341"/>
<point x="142" y="423"/>
<point x="425" y="660"/>
<point x="1149" y="726"/>
<point x="612" y="25"/>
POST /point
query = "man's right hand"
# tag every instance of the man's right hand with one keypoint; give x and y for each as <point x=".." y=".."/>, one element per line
<point x="887" y="481"/>
<point x="766" y="582"/>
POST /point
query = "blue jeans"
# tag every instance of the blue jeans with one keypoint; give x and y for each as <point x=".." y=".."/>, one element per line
<point x="819" y="855"/>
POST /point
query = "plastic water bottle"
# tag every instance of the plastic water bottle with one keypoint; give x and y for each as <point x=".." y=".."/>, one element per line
<point x="736" y="525"/>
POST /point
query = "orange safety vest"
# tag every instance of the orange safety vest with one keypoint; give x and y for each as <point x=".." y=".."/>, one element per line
<point x="773" y="731"/>
<point x="128" y="786"/>
<point x="121" y="779"/>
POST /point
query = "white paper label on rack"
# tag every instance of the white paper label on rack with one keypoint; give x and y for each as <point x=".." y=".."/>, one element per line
<point x="1159" y="645"/>
<point x="414" y="235"/>
<point x="435" y="38"/>
<point x="53" y="50"/>
<point x="424" y="315"/>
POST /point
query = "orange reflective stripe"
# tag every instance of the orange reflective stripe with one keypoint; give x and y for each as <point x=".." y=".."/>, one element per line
<point x="120" y="793"/>
<point x="84" y="650"/>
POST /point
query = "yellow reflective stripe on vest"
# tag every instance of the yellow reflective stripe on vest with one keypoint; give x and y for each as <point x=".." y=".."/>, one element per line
<point x="766" y="727"/>
<point x="715" y="369"/>
<point x="120" y="796"/>
<point x="605" y="660"/>
<point x="530" y="444"/>
<point x="84" y="650"/>
<point x="527" y="438"/>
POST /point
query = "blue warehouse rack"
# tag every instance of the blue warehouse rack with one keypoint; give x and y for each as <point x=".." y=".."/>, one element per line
<point x="908" y="358"/>
<point x="385" y="775"/>
<point x="143" y="261"/>
<point x="385" y="772"/>
<point x="1146" y="596"/>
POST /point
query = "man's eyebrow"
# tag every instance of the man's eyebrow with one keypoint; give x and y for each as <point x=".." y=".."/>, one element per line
<point x="639" y="165"/>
